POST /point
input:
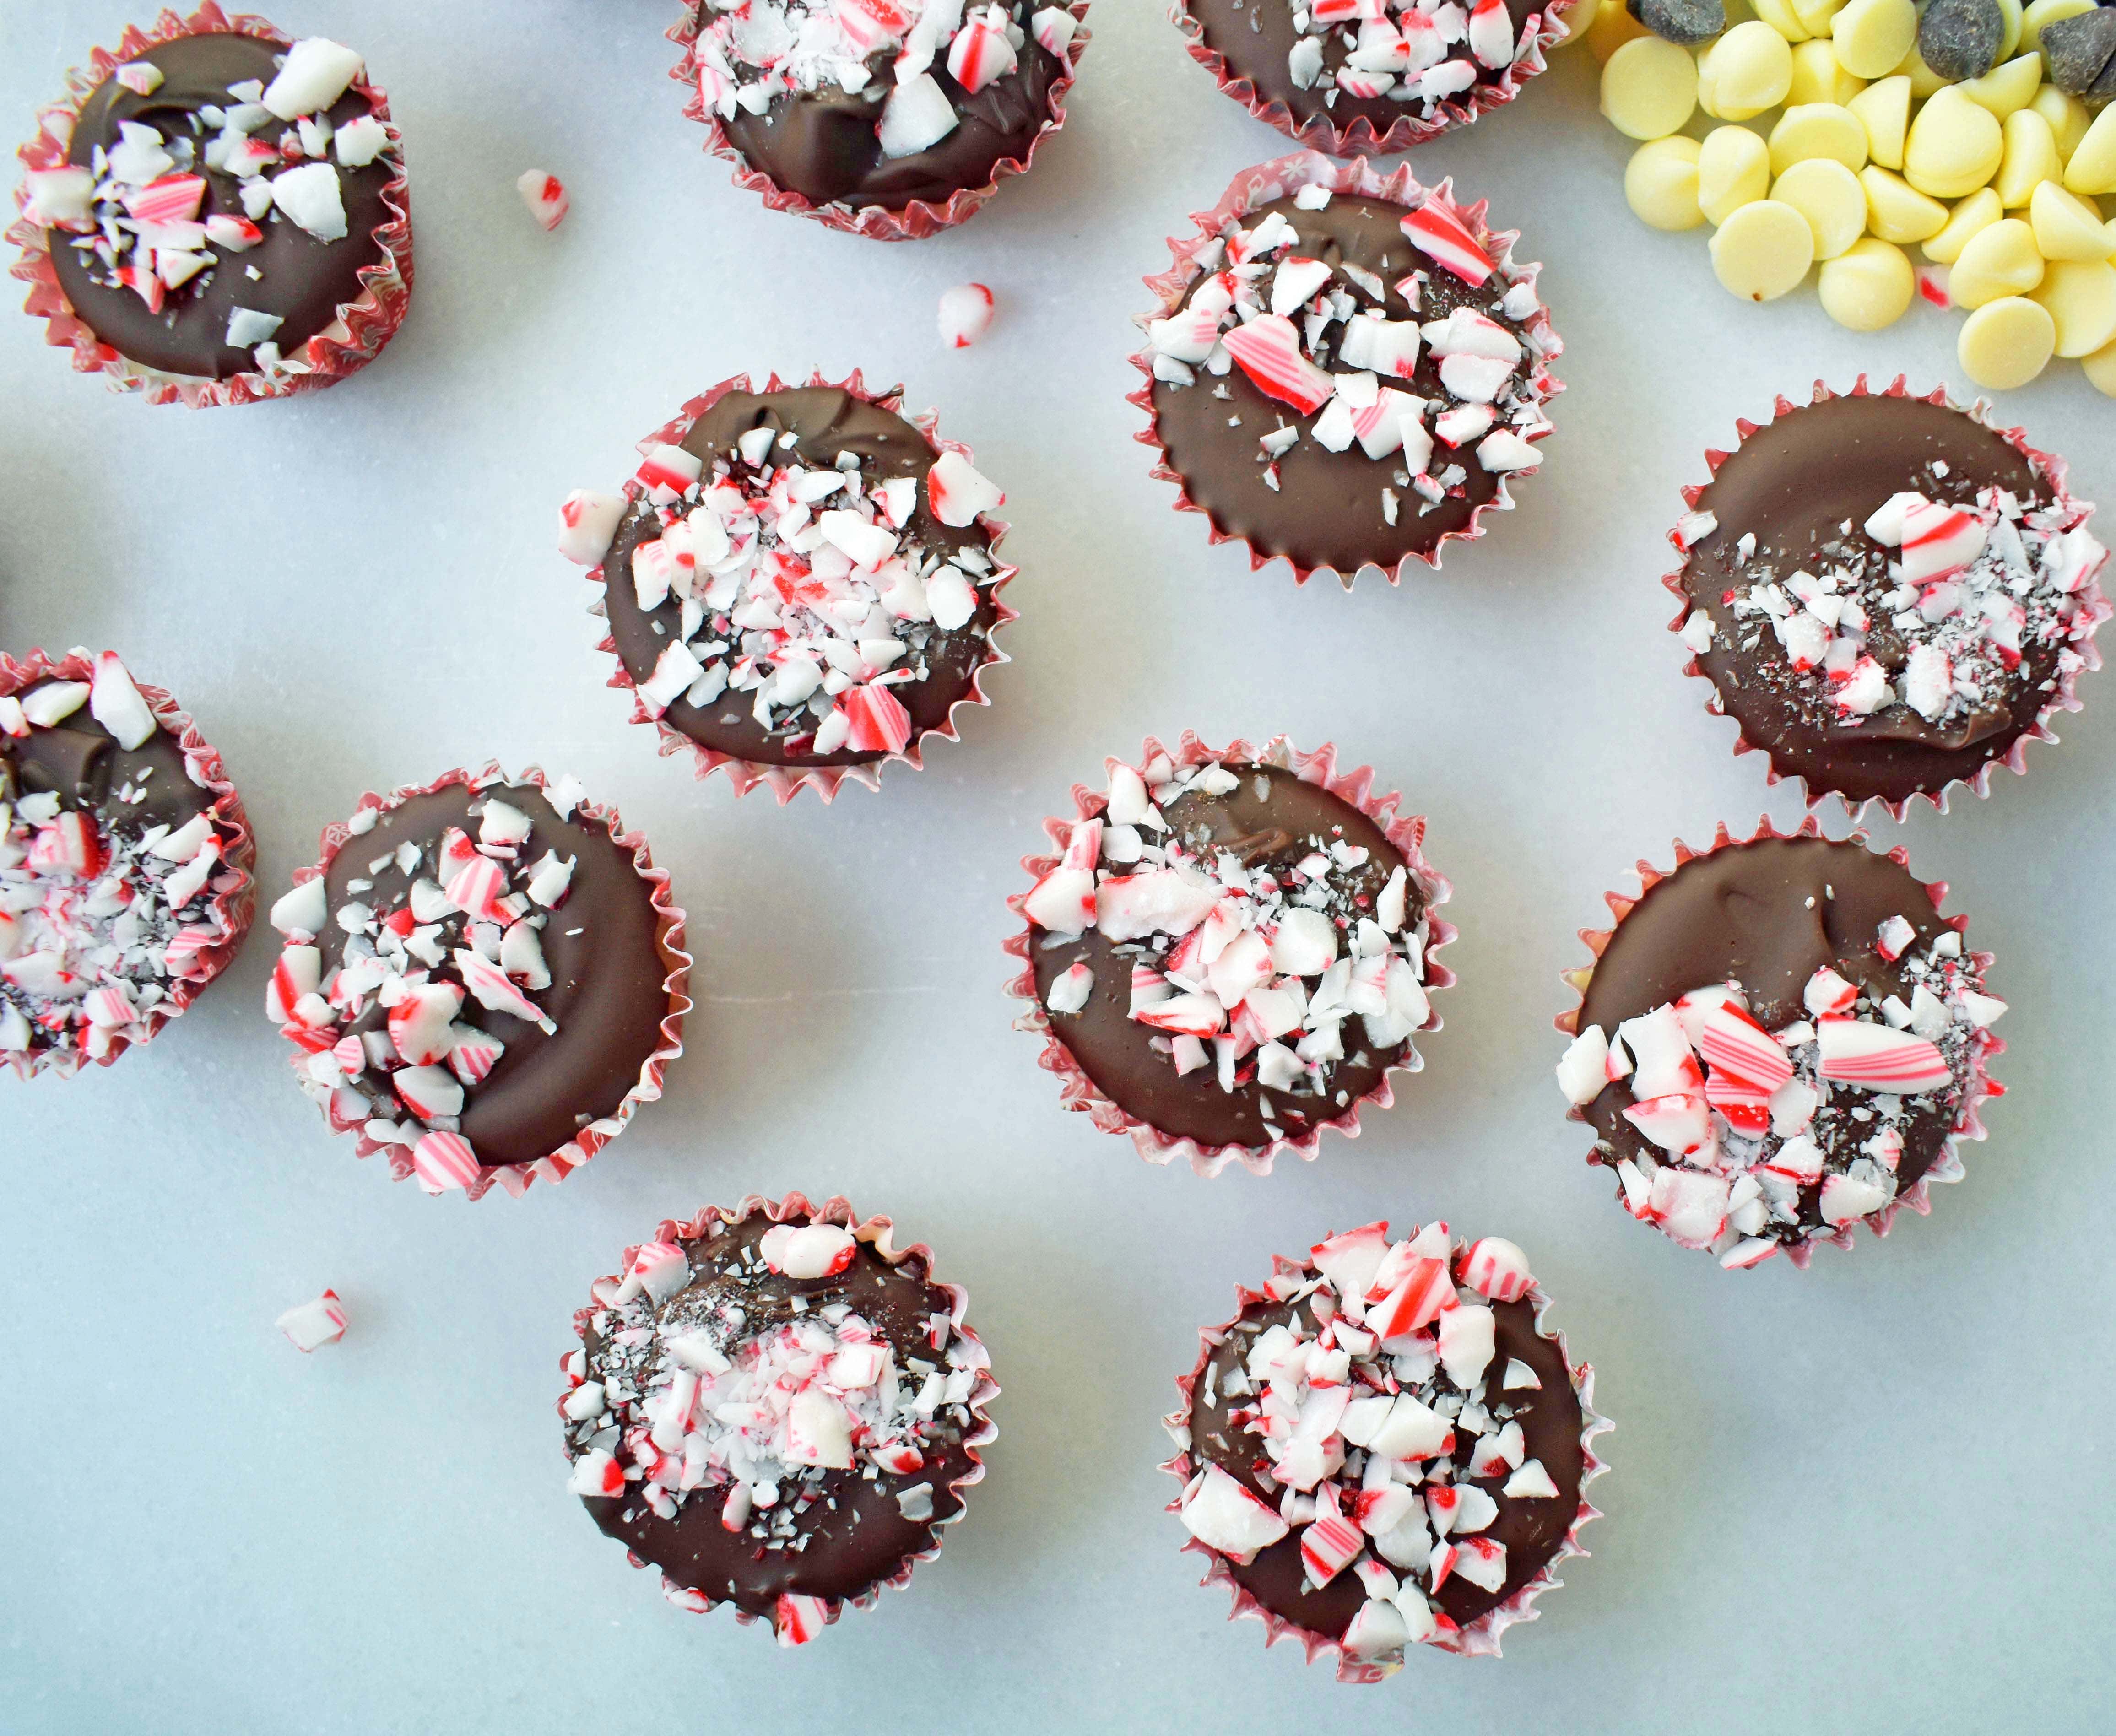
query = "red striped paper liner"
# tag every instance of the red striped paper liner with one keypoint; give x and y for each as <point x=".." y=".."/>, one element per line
<point x="352" y="341"/>
<point x="2051" y="469"/>
<point x="1277" y="180"/>
<point x="878" y="1233"/>
<point x="1479" y="1639"/>
<point x="1968" y="1124"/>
<point x="1079" y="1093"/>
<point x="786" y="782"/>
<point x="234" y="901"/>
<point x="1320" y="133"/>
<point x="554" y="1167"/>
<point x="910" y="222"/>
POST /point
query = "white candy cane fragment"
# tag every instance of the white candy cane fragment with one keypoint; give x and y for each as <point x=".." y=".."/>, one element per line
<point x="1496" y="1268"/>
<point x="1939" y="541"/>
<point x="313" y="75"/>
<point x="1877" y="1058"/>
<point x="1444" y="239"/>
<point x="489" y="984"/>
<point x="1053" y="27"/>
<point x="442" y="1160"/>
<point x="1583" y="1071"/>
<point x="797" y="1618"/>
<point x="61" y="198"/>
<point x="981" y="51"/>
<point x="957" y="493"/>
<point x="115" y="703"/>
<point x="807" y="1251"/>
<point x="544" y="195"/>
<point x="1222" y="1514"/>
<point x="313" y="1324"/>
<point x="595" y="1476"/>
<point x="1827" y="993"/>
<point x="587" y="521"/>
<point x="917" y="116"/>
<point x="1491" y="34"/>
<point x="668" y="472"/>
<point x="1070" y="993"/>
<point x="966" y="312"/>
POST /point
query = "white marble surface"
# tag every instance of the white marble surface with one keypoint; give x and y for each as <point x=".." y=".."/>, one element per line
<point x="1870" y="1496"/>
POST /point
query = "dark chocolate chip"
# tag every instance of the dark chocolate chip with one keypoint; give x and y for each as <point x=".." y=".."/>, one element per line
<point x="2077" y="51"/>
<point x="1688" y="22"/>
<point x="1961" y="38"/>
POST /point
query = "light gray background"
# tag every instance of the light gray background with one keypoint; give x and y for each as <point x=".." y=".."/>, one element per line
<point x="1870" y="1496"/>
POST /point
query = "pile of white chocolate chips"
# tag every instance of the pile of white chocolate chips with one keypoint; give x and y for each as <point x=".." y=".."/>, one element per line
<point x="1964" y="590"/>
<point x="97" y="921"/>
<point x="1232" y="968"/>
<point x="801" y="588"/>
<point x="751" y="51"/>
<point x="1763" y="1138"/>
<point x="136" y="207"/>
<point x="1355" y="1411"/>
<point x="1280" y="316"/>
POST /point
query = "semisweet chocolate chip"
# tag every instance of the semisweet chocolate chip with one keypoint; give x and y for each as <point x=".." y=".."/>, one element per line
<point x="1961" y="38"/>
<point x="2077" y="51"/>
<point x="1688" y="22"/>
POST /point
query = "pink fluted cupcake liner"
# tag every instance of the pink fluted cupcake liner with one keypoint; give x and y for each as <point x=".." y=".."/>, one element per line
<point x="1968" y="1124"/>
<point x="1277" y="180"/>
<point x="234" y="901"/>
<point x="1079" y="1093"/>
<point x="1481" y="1637"/>
<point x="786" y="782"/>
<point x="436" y="1175"/>
<point x="2064" y="696"/>
<point x="910" y="222"/>
<point x="355" y="337"/>
<point x="878" y="1233"/>
<point x="1359" y="139"/>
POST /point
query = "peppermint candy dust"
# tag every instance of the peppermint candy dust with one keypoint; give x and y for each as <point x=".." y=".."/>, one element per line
<point x="1418" y="53"/>
<point x="115" y="871"/>
<point x="773" y="1413"/>
<point x="1383" y="1447"/>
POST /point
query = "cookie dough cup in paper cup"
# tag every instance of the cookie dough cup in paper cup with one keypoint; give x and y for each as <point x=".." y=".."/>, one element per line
<point x="1231" y="952"/>
<point x="961" y="113"/>
<point x="483" y="978"/>
<point x="798" y="643"/>
<point x="1761" y="1087"/>
<point x="1892" y="595"/>
<point x="125" y="860"/>
<point x="1420" y="73"/>
<point x="1344" y="369"/>
<point x="1434" y="1508"/>
<point x="267" y="252"/>
<point x="863" y="1389"/>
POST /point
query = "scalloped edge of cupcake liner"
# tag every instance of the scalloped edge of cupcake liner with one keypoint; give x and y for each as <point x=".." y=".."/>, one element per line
<point x="362" y="326"/>
<point x="1481" y="1637"/>
<point x="1079" y="1092"/>
<point x="878" y="1233"/>
<point x="1980" y="1087"/>
<point x="2051" y="468"/>
<point x="1359" y="139"/>
<point x="515" y="1179"/>
<point x="913" y="221"/>
<point x="786" y="782"/>
<point x="235" y="891"/>
<point x="1276" y="179"/>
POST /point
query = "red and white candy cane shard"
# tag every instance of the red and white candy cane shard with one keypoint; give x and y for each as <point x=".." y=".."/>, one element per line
<point x="1492" y="34"/>
<point x="441" y="1161"/>
<point x="476" y="888"/>
<point x="981" y="51"/>
<point x="966" y="314"/>
<point x="1731" y="1042"/>
<point x="1330" y="1543"/>
<point x="312" y="1324"/>
<point x="876" y="720"/>
<point x="1940" y="540"/>
<point x="958" y="493"/>
<point x="1267" y="349"/>
<point x="421" y="1023"/>
<point x="1879" y="1058"/>
<point x="587" y="521"/>
<point x="1497" y="1269"/>
<point x="544" y="195"/>
<point x="1418" y="1301"/>
<point x="1442" y="239"/>
<point x="1064" y="901"/>
<point x="491" y="986"/>
<point x="297" y="973"/>
<point x="807" y="1251"/>
<point x="667" y="472"/>
<point x="799" y="1618"/>
<point x="1828" y="992"/>
<point x="174" y="199"/>
<point x="595" y="1474"/>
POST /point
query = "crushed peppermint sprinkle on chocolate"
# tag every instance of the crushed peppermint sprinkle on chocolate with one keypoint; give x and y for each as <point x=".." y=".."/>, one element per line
<point x="1761" y="1139"/>
<point x="1426" y="53"/>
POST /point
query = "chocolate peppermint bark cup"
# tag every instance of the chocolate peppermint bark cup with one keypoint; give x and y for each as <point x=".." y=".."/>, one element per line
<point x="892" y="119"/>
<point x="1386" y="1446"/>
<point x="777" y="1408"/>
<point x="1359" y="77"/>
<point x="1233" y="951"/>
<point x="125" y="862"/>
<point x="802" y="583"/>
<point x="484" y="976"/>
<point x="218" y="213"/>
<point x="1345" y="370"/>
<point x="1890" y="595"/>
<point x="1780" y="1039"/>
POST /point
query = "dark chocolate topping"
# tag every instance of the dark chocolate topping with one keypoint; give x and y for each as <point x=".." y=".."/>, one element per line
<point x="600" y="945"/>
<point x="304" y="280"/>
<point x="1533" y="1530"/>
<point x="1113" y="1050"/>
<point x="1769" y="915"/>
<point x="864" y="1538"/>
<point x="1327" y="509"/>
<point x="822" y="144"/>
<point x="1255" y="37"/>
<point x="826" y="422"/>
<point x="1793" y="486"/>
<point x="80" y="762"/>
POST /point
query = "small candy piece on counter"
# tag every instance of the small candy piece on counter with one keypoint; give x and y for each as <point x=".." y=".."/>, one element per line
<point x="1687" y="22"/>
<point x="314" y="1324"/>
<point x="966" y="314"/>
<point x="544" y="195"/>
<point x="1961" y="38"/>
